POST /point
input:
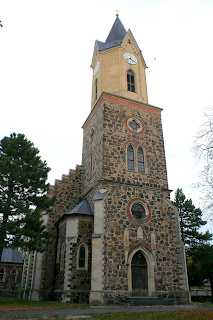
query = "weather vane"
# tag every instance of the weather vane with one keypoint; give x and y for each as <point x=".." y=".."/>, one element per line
<point x="117" y="14"/>
<point x="1" y="25"/>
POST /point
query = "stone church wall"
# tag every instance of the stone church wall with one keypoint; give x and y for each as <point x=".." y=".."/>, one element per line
<point x="158" y="235"/>
<point x="73" y="283"/>
<point x="9" y="288"/>
<point x="117" y="137"/>
<point x="68" y="193"/>
<point x="93" y="147"/>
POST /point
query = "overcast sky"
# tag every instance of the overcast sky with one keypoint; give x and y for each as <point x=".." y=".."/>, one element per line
<point x="46" y="49"/>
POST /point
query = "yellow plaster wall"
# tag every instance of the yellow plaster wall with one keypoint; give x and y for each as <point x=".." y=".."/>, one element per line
<point x="112" y="73"/>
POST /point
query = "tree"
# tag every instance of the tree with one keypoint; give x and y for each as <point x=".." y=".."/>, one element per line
<point x="190" y="221"/>
<point x="23" y="195"/>
<point x="200" y="265"/>
<point x="199" y="252"/>
<point x="203" y="147"/>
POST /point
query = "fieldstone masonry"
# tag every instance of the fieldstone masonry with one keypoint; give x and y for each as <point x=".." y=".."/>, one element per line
<point x="104" y="251"/>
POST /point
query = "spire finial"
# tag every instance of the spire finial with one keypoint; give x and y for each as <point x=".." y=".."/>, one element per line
<point x="117" y="14"/>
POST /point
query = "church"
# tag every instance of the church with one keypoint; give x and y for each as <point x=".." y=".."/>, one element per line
<point x="117" y="234"/>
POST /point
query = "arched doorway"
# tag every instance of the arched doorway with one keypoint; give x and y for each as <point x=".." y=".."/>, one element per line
<point x="139" y="275"/>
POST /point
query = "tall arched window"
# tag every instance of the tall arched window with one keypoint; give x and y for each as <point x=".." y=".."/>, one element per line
<point x="130" y="81"/>
<point x="2" y="274"/>
<point x="58" y="251"/>
<point x="130" y="158"/>
<point x="81" y="261"/>
<point x="90" y="167"/>
<point x="96" y="90"/>
<point x="82" y="257"/>
<point x="140" y="160"/>
<point x="62" y="257"/>
<point x="14" y="275"/>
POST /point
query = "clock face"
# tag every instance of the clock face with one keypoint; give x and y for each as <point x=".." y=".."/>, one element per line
<point x="96" y="68"/>
<point x="128" y="57"/>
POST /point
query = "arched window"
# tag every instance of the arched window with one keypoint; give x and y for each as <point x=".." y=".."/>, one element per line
<point x="62" y="257"/>
<point x="96" y="90"/>
<point x="2" y="274"/>
<point x="82" y="257"/>
<point x="58" y="251"/>
<point x="130" y="81"/>
<point x="90" y="167"/>
<point x="130" y="158"/>
<point x="14" y="275"/>
<point x="140" y="160"/>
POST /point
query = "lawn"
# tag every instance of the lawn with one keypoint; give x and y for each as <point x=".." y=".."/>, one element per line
<point x="157" y="315"/>
<point x="14" y="304"/>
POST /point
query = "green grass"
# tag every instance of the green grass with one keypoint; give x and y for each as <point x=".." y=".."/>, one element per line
<point x="20" y="304"/>
<point x="13" y="304"/>
<point x="157" y="315"/>
<point x="202" y="304"/>
<point x="154" y="315"/>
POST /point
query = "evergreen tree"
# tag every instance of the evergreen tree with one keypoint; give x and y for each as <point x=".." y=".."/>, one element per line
<point x="23" y="195"/>
<point x="200" y="265"/>
<point x="190" y="221"/>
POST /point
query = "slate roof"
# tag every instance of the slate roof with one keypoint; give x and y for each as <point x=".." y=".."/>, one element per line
<point x="11" y="255"/>
<point x="82" y="208"/>
<point x="100" y="196"/>
<point x="115" y="36"/>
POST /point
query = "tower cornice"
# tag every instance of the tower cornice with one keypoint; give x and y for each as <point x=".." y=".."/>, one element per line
<point x="106" y="96"/>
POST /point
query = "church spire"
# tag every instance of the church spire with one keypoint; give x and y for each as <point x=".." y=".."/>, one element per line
<point x="116" y="35"/>
<point x="117" y="32"/>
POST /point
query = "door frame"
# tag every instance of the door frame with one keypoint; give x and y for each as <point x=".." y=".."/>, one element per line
<point x="150" y="268"/>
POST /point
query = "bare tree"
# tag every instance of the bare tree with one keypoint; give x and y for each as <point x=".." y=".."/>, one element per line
<point x="204" y="151"/>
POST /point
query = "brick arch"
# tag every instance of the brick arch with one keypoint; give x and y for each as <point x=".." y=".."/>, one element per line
<point x="137" y="244"/>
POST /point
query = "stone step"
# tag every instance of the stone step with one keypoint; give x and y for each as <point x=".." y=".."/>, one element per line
<point x="149" y="301"/>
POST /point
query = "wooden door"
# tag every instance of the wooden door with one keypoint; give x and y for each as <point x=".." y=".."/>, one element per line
<point x="139" y="275"/>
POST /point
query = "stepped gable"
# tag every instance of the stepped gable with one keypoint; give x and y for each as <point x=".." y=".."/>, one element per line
<point x="67" y="192"/>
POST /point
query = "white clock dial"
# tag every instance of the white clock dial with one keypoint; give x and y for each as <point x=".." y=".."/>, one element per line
<point x="96" y="68"/>
<point x="128" y="57"/>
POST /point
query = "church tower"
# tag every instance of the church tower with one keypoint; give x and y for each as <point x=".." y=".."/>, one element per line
<point x="136" y="245"/>
<point x="117" y="234"/>
<point x="113" y="60"/>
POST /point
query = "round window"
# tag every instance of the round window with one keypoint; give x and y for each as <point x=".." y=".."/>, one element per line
<point x="138" y="211"/>
<point x="134" y="125"/>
